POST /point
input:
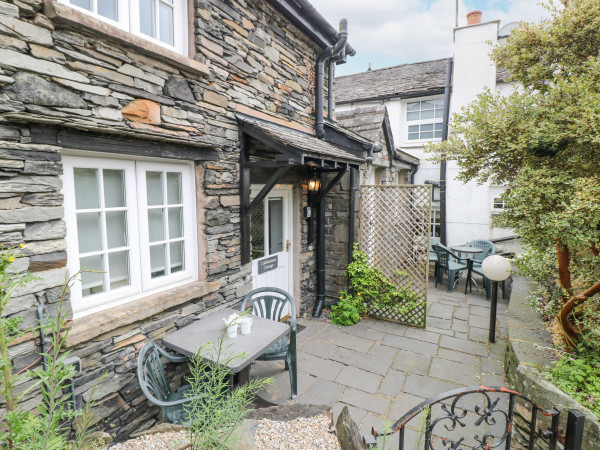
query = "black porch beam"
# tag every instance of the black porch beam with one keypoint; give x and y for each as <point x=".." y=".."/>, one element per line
<point x="331" y="184"/>
<point x="244" y="199"/>
<point x="267" y="187"/>
<point x="268" y="164"/>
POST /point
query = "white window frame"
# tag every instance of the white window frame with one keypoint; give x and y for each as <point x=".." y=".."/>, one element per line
<point x="435" y="214"/>
<point x="406" y="123"/>
<point x="137" y="231"/>
<point x="495" y="209"/>
<point x="129" y="20"/>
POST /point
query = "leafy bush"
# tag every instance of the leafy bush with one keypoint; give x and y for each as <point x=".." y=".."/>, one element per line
<point x="215" y="412"/>
<point x="369" y="288"/>
<point x="49" y="427"/>
<point x="578" y="375"/>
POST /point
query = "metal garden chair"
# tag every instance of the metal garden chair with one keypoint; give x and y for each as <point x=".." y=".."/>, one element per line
<point x="155" y="386"/>
<point x="488" y="248"/>
<point x="449" y="262"/>
<point x="270" y="303"/>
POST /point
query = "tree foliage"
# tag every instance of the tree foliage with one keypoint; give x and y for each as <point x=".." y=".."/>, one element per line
<point x="543" y="141"/>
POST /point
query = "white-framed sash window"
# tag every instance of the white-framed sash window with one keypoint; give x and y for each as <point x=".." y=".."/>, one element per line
<point x="423" y="119"/>
<point x="130" y="229"/>
<point x="163" y="22"/>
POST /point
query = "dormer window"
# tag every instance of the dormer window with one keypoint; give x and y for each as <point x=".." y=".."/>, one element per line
<point x="163" y="22"/>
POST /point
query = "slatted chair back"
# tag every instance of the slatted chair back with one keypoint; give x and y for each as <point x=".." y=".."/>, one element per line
<point x="488" y="248"/>
<point x="443" y="256"/>
<point x="270" y="303"/>
<point x="154" y="378"/>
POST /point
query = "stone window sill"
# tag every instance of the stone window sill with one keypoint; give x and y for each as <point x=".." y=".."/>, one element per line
<point x="69" y="16"/>
<point x="93" y="325"/>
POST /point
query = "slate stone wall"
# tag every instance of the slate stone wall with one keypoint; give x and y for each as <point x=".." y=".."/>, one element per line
<point x="55" y="71"/>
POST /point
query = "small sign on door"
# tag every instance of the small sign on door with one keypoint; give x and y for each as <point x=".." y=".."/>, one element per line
<point x="268" y="264"/>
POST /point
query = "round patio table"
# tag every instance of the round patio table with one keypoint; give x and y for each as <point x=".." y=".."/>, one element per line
<point x="469" y="250"/>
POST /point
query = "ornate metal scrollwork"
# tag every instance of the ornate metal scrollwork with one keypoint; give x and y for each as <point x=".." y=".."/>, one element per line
<point x="472" y="420"/>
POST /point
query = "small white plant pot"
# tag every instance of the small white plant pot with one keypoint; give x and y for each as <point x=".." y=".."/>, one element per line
<point x="232" y="331"/>
<point x="246" y="325"/>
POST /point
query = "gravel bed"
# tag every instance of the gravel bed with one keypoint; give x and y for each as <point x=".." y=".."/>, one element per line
<point x="302" y="433"/>
<point x="159" y="441"/>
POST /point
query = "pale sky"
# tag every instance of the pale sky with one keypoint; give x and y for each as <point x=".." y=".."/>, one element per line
<point x="390" y="32"/>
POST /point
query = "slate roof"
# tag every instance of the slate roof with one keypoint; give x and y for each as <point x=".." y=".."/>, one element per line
<point x="368" y="121"/>
<point x="405" y="80"/>
<point x="304" y="143"/>
<point x="365" y="121"/>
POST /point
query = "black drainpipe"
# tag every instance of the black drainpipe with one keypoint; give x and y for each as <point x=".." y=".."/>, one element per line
<point x="320" y="254"/>
<point x="447" y="90"/>
<point x="325" y="55"/>
<point x="352" y="212"/>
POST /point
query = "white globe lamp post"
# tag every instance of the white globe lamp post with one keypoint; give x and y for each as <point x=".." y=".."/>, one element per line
<point x="495" y="268"/>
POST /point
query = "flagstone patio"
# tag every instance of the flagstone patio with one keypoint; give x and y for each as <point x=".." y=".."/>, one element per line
<point x="381" y="370"/>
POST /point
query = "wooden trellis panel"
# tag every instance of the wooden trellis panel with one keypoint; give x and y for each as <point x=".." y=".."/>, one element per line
<point x="394" y="234"/>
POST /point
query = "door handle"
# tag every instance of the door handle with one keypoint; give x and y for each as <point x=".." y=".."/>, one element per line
<point x="287" y="245"/>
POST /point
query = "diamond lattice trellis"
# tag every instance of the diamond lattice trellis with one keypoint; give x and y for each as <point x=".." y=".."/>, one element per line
<point x="394" y="234"/>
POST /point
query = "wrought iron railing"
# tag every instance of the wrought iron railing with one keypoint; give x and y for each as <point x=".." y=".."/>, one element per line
<point x="491" y="422"/>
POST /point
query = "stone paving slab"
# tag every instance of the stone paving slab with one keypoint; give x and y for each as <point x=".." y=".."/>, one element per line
<point x="381" y="370"/>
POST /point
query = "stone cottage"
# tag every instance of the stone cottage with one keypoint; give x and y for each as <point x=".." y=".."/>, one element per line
<point x="165" y="149"/>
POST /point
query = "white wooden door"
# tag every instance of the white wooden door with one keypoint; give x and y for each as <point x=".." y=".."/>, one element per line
<point x="271" y="237"/>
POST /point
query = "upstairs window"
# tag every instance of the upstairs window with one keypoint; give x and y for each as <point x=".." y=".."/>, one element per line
<point x="161" y="21"/>
<point x="130" y="229"/>
<point x="424" y="119"/>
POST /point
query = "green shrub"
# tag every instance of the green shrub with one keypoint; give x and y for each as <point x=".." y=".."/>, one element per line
<point x="369" y="288"/>
<point x="49" y="426"/>
<point x="215" y="411"/>
<point x="578" y="375"/>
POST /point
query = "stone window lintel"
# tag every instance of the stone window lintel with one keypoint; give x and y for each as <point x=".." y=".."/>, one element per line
<point x="93" y="325"/>
<point x="69" y="16"/>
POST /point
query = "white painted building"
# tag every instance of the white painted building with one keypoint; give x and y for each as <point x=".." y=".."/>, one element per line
<point x="414" y="97"/>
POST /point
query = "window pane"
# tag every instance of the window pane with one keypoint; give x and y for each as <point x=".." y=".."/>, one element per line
<point x="427" y="114"/>
<point x="114" y="188"/>
<point x="116" y="229"/>
<point x="118" y="269"/>
<point x="427" y="104"/>
<point x="412" y="115"/>
<point x="439" y="103"/>
<point x="166" y="23"/>
<point x="427" y="127"/>
<point x="427" y="135"/>
<point x="173" y="188"/>
<point x="92" y="276"/>
<point x="438" y="134"/>
<point x="156" y="224"/>
<point x="275" y="225"/>
<point x="154" y="188"/>
<point x="177" y="263"/>
<point x="85" y="4"/>
<point x="157" y="260"/>
<point x="147" y="17"/>
<point x="257" y="231"/>
<point x="108" y="8"/>
<point x="413" y="129"/>
<point x="175" y="223"/>
<point x="413" y="106"/>
<point x="439" y="113"/>
<point x="413" y="136"/>
<point x="89" y="232"/>
<point x="86" y="188"/>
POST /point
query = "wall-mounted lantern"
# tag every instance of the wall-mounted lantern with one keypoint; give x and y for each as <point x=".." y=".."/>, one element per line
<point x="314" y="185"/>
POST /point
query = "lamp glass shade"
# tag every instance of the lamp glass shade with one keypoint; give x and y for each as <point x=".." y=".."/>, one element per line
<point x="496" y="268"/>
<point x="314" y="184"/>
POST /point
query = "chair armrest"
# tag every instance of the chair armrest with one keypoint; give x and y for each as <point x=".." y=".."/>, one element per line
<point x="172" y="356"/>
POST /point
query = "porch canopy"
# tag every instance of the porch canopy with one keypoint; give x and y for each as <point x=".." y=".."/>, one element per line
<point x="277" y="148"/>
